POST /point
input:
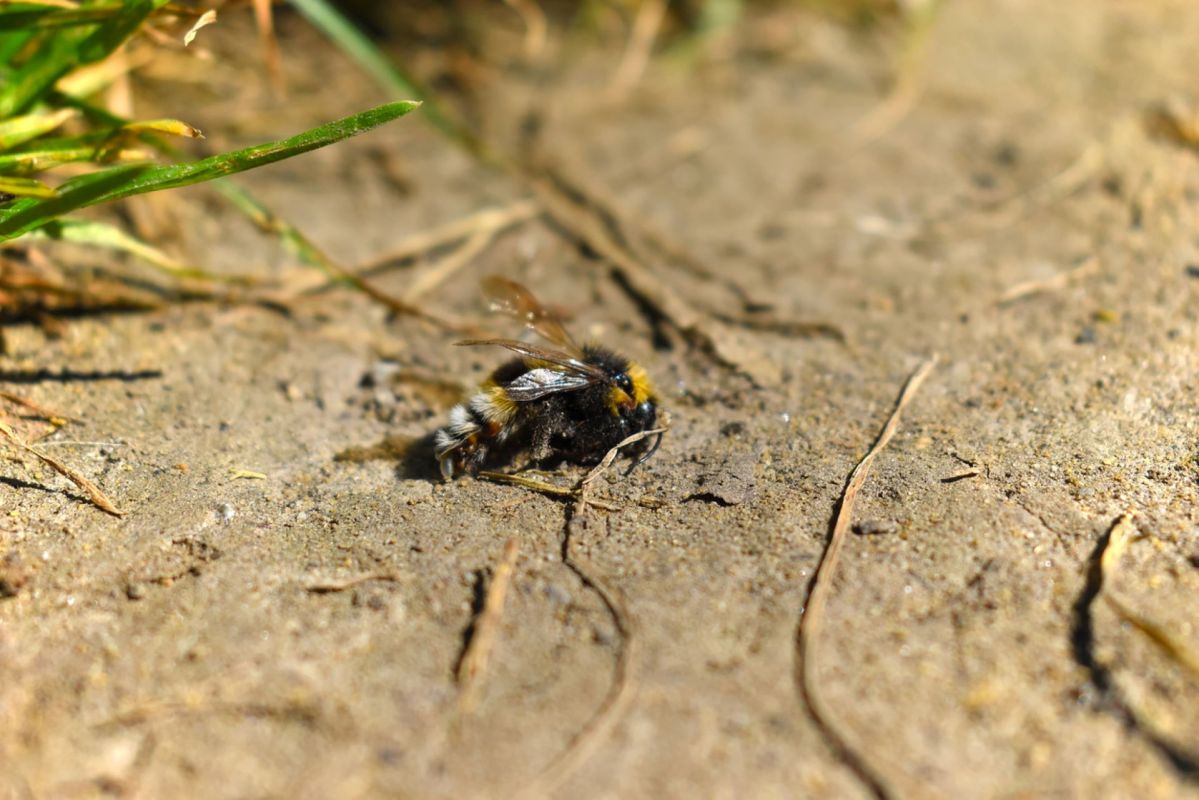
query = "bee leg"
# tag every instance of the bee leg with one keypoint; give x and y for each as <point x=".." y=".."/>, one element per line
<point x="475" y="459"/>
<point x="542" y="447"/>
<point x="646" y="455"/>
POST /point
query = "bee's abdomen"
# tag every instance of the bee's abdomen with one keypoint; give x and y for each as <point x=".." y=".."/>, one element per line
<point x="476" y="425"/>
<point x="462" y="426"/>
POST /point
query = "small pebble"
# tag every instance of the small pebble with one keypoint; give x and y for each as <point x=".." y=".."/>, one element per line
<point x="556" y="594"/>
<point x="876" y="527"/>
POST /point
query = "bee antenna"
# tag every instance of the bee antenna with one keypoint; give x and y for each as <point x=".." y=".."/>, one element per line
<point x="653" y="449"/>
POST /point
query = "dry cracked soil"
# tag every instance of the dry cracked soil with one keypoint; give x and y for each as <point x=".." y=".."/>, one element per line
<point x="269" y="620"/>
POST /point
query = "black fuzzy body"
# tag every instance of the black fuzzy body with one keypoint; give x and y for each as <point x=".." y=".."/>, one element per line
<point x="577" y="426"/>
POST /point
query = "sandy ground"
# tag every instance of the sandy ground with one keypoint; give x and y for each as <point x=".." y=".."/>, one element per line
<point x="649" y="649"/>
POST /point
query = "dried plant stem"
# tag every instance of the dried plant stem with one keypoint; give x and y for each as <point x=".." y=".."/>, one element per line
<point x="93" y="492"/>
<point x="812" y="617"/>
<point x="1121" y="536"/>
<point x="624" y="686"/>
<point x="329" y="587"/>
<point x="576" y="209"/>
<point x="536" y="27"/>
<point x="265" y="18"/>
<point x="1059" y="281"/>
<point x="40" y="410"/>
<point x="578" y="491"/>
<point x="610" y="456"/>
<point x="528" y="483"/>
<point x="646" y="25"/>
<point x="448" y="266"/>
<point x="492" y="219"/>
<point x="1161" y="636"/>
<point x="487" y="626"/>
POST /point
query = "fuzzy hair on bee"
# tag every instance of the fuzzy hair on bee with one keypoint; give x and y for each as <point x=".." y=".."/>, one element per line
<point x="565" y="403"/>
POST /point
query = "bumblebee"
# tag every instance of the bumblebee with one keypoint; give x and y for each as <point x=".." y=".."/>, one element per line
<point x="561" y="403"/>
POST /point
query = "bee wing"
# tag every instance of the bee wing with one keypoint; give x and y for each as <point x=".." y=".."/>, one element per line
<point x="515" y="300"/>
<point x="537" y="383"/>
<point x="565" y="362"/>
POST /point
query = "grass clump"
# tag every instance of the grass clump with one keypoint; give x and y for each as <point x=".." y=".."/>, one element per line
<point x="46" y="129"/>
<point x="61" y="150"/>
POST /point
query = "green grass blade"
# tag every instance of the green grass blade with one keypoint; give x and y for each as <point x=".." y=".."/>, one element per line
<point x="19" y="130"/>
<point x="118" y="135"/>
<point x="101" y="234"/>
<point x="293" y="240"/>
<point x="355" y="44"/>
<point x="25" y="215"/>
<point x="68" y="48"/>
<point x="25" y="16"/>
<point x="241" y="199"/>
<point x="28" y="162"/>
<point x="11" y="44"/>
<point x="25" y="187"/>
<point x="94" y="233"/>
<point x="124" y="181"/>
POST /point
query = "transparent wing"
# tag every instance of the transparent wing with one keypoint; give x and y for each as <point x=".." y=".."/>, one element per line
<point x="510" y="298"/>
<point x="540" y="382"/>
<point x="564" y="361"/>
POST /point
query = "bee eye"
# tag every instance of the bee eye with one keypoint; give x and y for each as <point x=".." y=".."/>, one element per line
<point x="624" y="383"/>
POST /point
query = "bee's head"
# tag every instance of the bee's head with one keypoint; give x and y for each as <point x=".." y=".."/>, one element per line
<point x="632" y="396"/>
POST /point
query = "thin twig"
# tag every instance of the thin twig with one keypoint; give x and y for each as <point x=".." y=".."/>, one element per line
<point x="478" y="653"/>
<point x="536" y="27"/>
<point x="528" y="483"/>
<point x="909" y="80"/>
<point x="329" y="587"/>
<point x="812" y="616"/>
<point x="296" y="711"/>
<point x="1175" y="122"/>
<point x="79" y="443"/>
<point x="1009" y="210"/>
<point x="1054" y="283"/>
<point x="610" y="456"/>
<point x="39" y="410"/>
<point x="493" y="219"/>
<point x="264" y="16"/>
<point x="578" y="490"/>
<point x="98" y="498"/>
<point x="1100" y="571"/>
<point x="646" y="25"/>
<point x="269" y="221"/>
<point x="425" y="282"/>
<point x="576" y="210"/>
<point x="1157" y="633"/>
<point x="1176" y="651"/>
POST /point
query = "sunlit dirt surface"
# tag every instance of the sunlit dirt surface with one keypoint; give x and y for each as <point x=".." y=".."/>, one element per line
<point x="185" y="650"/>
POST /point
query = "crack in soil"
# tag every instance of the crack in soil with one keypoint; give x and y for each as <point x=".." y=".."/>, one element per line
<point x="592" y="734"/>
<point x="1082" y="642"/>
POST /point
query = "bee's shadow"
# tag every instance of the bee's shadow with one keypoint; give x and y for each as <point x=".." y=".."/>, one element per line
<point x="415" y="458"/>
<point x="418" y="461"/>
